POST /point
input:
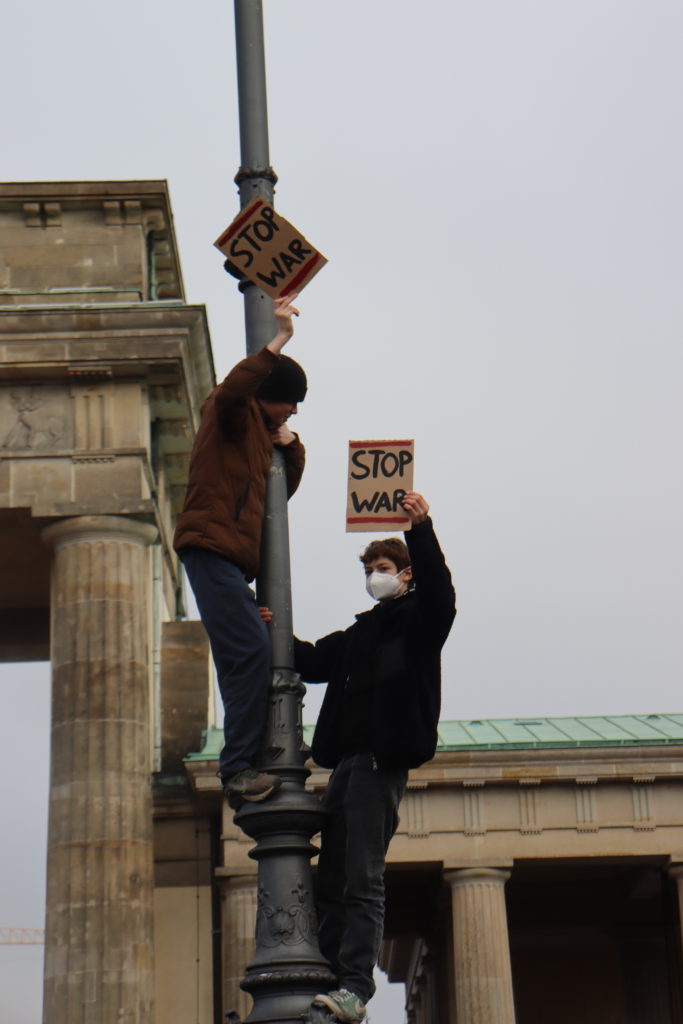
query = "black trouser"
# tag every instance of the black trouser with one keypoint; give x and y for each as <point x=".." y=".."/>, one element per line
<point x="361" y="805"/>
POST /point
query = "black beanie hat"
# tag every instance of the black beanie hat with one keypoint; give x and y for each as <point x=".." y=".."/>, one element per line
<point x="286" y="383"/>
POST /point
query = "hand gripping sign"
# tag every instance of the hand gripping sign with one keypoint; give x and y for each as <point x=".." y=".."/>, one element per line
<point x="269" y="250"/>
<point x="380" y="475"/>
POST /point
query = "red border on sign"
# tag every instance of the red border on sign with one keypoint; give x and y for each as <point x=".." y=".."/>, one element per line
<point x="364" y="444"/>
<point x="377" y="519"/>
<point x="229" y="232"/>
<point x="298" y="278"/>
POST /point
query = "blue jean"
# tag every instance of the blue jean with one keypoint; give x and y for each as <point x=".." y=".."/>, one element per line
<point x="361" y="815"/>
<point x="241" y="652"/>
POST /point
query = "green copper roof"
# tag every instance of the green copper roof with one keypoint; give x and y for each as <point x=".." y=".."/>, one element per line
<point x="545" y="733"/>
<point x="528" y="733"/>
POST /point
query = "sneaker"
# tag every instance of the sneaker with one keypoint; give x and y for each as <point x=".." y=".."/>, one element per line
<point x="344" y="1005"/>
<point x="251" y="785"/>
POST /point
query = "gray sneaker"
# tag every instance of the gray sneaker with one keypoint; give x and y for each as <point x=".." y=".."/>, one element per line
<point x="251" y="785"/>
<point x="344" y="1005"/>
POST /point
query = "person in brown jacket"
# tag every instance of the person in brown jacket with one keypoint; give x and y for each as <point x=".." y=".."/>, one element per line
<point x="218" y="537"/>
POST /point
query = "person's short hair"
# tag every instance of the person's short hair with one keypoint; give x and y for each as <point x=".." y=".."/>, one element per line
<point x="390" y="547"/>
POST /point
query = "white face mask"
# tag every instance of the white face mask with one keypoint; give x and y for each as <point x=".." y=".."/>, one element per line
<point x="382" y="586"/>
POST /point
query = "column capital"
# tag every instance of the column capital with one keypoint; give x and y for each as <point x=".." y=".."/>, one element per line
<point x="476" y="876"/>
<point x="78" y="529"/>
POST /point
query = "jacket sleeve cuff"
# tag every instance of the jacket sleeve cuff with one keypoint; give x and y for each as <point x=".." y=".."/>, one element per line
<point x="426" y="526"/>
<point x="270" y="358"/>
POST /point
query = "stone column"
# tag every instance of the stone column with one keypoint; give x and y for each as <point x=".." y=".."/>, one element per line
<point x="483" y="975"/>
<point x="238" y="903"/>
<point x="98" y="937"/>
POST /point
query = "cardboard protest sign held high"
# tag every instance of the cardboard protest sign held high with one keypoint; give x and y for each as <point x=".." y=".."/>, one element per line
<point x="380" y="475"/>
<point x="269" y="250"/>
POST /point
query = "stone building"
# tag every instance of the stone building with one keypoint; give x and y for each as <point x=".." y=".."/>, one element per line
<point x="102" y="369"/>
<point x="536" y="872"/>
<point x="535" y="875"/>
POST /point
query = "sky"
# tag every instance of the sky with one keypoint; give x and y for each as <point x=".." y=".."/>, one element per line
<point x="497" y="189"/>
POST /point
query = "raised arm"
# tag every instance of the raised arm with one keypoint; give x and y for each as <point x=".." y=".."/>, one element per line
<point x="433" y="585"/>
<point x="284" y="311"/>
<point x="244" y="380"/>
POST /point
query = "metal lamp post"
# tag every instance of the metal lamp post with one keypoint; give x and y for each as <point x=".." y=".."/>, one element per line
<point x="287" y="969"/>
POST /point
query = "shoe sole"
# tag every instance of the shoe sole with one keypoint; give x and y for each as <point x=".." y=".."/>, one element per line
<point x="323" y="1001"/>
<point x="256" y="798"/>
<point x="236" y="800"/>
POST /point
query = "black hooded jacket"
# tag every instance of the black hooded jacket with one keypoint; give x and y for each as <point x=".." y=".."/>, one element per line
<point x="400" y="641"/>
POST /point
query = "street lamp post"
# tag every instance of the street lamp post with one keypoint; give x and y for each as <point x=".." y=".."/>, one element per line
<point x="287" y="969"/>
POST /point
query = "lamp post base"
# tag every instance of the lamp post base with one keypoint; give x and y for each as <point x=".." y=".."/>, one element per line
<point x="287" y="970"/>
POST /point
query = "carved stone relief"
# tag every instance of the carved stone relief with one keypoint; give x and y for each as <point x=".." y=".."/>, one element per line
<point x="35" y="418"/>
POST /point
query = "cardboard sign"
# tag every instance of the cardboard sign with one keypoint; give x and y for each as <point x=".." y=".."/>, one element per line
<point x="380" y="474"/>
<point x="269" y="250"/>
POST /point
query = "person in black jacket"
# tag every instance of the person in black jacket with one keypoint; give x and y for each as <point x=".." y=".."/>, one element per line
<point x="378" y="719"/>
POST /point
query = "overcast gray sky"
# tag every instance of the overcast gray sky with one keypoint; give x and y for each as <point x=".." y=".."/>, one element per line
<point x="497" y="188"/>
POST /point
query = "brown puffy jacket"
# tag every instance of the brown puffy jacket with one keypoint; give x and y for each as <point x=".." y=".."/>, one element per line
<point x="224" y="502"/>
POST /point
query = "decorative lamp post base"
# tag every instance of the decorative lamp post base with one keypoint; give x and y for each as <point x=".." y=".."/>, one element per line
<point x="287" y="970"/>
